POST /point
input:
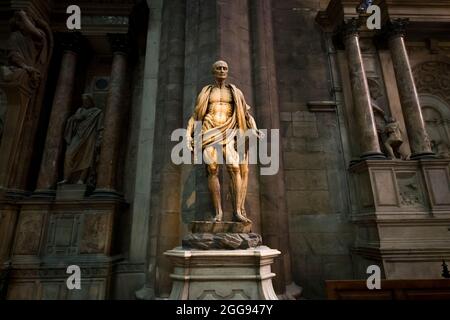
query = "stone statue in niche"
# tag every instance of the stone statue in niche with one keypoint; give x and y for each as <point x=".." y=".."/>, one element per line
<point x="27" y="51"/>
<point x="393" y="139"/>
<point x="83" y="136"/>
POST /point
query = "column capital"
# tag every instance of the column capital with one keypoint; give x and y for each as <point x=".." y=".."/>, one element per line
<point x="119" y="42"/>
<point x="397" y="28"/>
<point x="350" y="27"/>
<point x="72" y="41"/>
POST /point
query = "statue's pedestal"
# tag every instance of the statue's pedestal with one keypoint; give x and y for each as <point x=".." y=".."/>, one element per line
<point x="222" y="274"/>
<point x="70" y="191"/>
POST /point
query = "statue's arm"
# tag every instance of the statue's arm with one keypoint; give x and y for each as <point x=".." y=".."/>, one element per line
<point x="189" y="132"/>
<point x="31" y="28"/>
<point x="251" y="123"/>
<point x="16" y="59"/>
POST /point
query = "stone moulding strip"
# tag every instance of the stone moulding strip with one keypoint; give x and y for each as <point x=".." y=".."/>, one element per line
<point x="322" y="106"/>
<point x="403" y="254"/>
<point x="195" y="254"/>
<point x="224" y="278"/>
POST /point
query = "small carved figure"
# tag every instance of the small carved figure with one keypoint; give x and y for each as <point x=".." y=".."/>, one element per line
<point x="83" y="137"/>
<point x="393" y="139"/>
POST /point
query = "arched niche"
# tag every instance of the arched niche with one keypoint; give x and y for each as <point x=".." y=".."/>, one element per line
<point x="436" y="114"/>
<point x="432" y="78"/>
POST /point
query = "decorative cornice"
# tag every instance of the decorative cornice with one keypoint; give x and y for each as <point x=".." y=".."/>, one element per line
<point x="322" y="106"/>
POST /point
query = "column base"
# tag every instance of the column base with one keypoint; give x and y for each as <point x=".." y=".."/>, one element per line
<point x="44" y="194"/>
<point x="423" y="155"/>
<point x="367" y="156"/>
<point x="106" y="194"/>
<point x="222" y="274"/>
<point x="16" y="194"/>
<point x="373" y="155"/>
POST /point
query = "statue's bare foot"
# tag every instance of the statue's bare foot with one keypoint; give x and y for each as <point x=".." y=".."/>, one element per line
<point x="62" y="181"/>
<point x="218" y="217"/>
<point x="240" y="218"/>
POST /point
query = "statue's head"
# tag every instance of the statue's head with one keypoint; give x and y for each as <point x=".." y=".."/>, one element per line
<point x="17" y="22"/>
<point x="391" y="120"/>
<point x="88" y="101"/>
<point x="220" y="70"/>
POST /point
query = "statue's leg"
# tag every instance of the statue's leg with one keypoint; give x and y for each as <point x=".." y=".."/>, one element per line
<point x="389" y="149"/>
<point x="232" y="162"/>
<point x="210" y="156"/>
<point x="83" y="176"/>
<point x="244" y="176"/>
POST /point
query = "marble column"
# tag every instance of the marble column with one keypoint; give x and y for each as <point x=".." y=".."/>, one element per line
<point x="113" y="119"/>
<point x="61" y="108"/>
<point x="412" y="113"/>
<point x="275" y="223"/>
<point x="363" y="115"/>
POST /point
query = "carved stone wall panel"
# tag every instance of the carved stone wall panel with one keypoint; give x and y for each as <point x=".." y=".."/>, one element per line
<point x="21" y="290"/>
<point x="414" y="234"/>
<point x="8" y="218"/>
<point x="91" y="289"/>
<point x="439" y="186"/>
<point x="410" y="189"/>
<point x="364" y="191"/>
<point x="51" y="290"/>
<point x="56" y="289"/>
<point x="384" y="188"/>
<point x="95" y="235"/>
<point x="29" y="232"/>
<point x="63" y="234"/>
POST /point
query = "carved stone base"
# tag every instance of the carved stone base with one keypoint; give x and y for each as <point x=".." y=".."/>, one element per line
<point x="222" y="274"/>
<point x="70" y="191"/>
<point x="209" y="241"/>
<point x="402" y="217"/>
<point x="220" y="227"/>
<point x="52" y="234"/>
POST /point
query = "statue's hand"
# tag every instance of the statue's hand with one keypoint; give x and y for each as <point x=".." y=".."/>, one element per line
<point x="190" y="143"/>
<point x="258" y="133"/>
<point x="32" y="71"/>
<point x="261" y="134"/>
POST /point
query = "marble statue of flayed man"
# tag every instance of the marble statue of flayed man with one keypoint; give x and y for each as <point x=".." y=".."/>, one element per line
<point x="83" y="137"/>
<point x="220" y="108"/>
